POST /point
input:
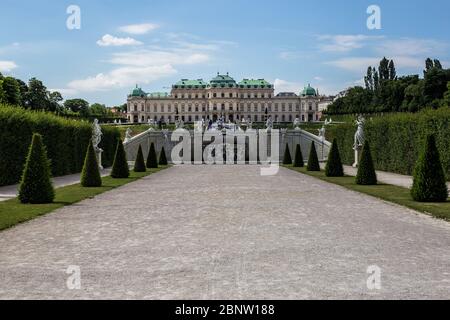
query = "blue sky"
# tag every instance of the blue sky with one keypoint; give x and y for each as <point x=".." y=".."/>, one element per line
<point x="156" y="43"/>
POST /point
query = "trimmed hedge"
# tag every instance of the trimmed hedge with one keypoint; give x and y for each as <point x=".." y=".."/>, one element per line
<point x="396" y="139"/>
<point x="66" y="142"/>
<point x="334" y="166"/>
<point x="152" y="162"/>
<point x="313" y="160"/>
<point x="366" y="174"/>
<point x="139" y="164"/>
<point x="298" y="159"/>
<point x="162" y="157"/>
<point x="287" y="159"/>
<point x="36" y="186"/>
<point x="90" y="175"/>
<point x="429" y="180"/>
<point x="120" y="166"/>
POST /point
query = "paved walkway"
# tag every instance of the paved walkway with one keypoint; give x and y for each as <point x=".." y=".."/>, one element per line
<point x="225" y="232"/>
<point x="385" y="177"/>
<point x="8" y="192"/>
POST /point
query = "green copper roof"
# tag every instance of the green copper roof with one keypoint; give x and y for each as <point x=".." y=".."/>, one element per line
<point x="137" y="92"/>
<point x="222" y="81"/>
<point x="254" y="83"/>
<point x="308" y="91"/>
<point x="191" y="84"/>
<point x="158" y="95"/>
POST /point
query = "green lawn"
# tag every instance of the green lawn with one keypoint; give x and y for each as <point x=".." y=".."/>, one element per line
<point x="13" y="212"/>
<point x="386" y="192"/>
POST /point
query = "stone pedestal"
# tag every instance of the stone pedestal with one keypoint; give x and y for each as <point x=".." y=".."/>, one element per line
<point x="357" y="152"/>
<point x="98" y="153"/>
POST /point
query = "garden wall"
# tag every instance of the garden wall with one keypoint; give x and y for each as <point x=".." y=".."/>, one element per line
<point x="396" y="139"/>
<point x="66" y="142"/>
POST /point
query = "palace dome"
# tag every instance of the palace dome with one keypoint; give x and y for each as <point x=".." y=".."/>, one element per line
<point x="137" y="92"/>
<point x="309" y="91"/>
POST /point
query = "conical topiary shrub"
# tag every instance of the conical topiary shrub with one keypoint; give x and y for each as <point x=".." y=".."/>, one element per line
<point x="36" y="186"/>
<point x="120" y="164"/>
<point x="334" y="166"/>
<point x="298" y="159"/>
<point x="429" y="184"/>
<point x="90" y="175"/>
<point x="313" y="161"/>
<point x="287" y="156"/>
<point x="139" y="164"/>
<point x="366" y="172"/>
<point x="152" y="162"/>
<point x="162" y="157"/>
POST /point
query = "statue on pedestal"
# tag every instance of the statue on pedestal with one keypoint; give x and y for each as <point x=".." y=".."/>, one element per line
<point x="358" y="139"/>
<point x="96" y="138"/>
<point x="128" y="135"/>
<point x="297" y="124"/>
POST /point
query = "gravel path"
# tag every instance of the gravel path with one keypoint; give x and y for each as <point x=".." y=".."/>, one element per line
<point x="225" y="232"/>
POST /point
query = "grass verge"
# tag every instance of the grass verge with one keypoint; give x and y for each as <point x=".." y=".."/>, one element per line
<point x="391" y="193"/>
<point x="13" y="212"/>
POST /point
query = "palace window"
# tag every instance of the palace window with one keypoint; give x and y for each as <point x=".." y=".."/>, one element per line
<point x="223" y="106"/>
<point x="196" y="108"/>
<point x="223" y="95"/>
<point x="283" y="118"/>
<point x="290" y="107"/>
<point x="310" y="106"/>
<point x="297" y="107"/>
<point x="214" y="95"/>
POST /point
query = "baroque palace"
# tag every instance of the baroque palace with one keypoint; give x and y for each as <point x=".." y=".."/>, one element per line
<point x="249" y="99"/>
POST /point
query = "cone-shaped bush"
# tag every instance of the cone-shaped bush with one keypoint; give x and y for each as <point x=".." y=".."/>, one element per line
<point x="298" y="159"/>
<point x="139" y="164"/>
<point x="120" y="164"/>
<point x="313" y="161"/>
<point x="334" y="166"/>
<point x="287" y="156"/>
<point x="429" y="179"/>
<point x="366" y="171"/>
<point x="152" y="162"/>
<point x="162" y="157"/>
<point x="90" y="175"/>
<point x="36" y="186"/>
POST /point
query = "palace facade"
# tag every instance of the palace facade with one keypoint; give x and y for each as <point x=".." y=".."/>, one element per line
<point x="249" y="99"/>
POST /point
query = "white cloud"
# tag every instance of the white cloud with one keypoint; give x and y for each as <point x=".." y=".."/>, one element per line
<point x="317" y="78"/>
<point x="411" y="47"/>
<point x="354" y="64"/>
<point x="142" y="28"/>
<point x="121" y="77"/>
<point x="7" y="66"/>
<point x="158" y="57"/>
<point x="344" y="43"/>
<point x="109" y="40"/>
<point x="287" y="86"/>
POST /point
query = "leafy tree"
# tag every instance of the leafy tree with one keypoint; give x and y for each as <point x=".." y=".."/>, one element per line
<point x="77" y="105"/>
<point x="90" y="174"/>
<point x="287" y="159"/>
<point x="152" y="162"/>
<point x="54" y="99"/>
<point x="2" y="93"/>
<point x="298" y="159"/>
<point x="11" y="91"/>
<point x="429" y="183"/>
<point x="392" y="71"/>
<point x="313" y="161"/>
<point x="162" y="157"/>
<point x="36" y="186"/>
<point x="139" y="164"/>
<point x="446" y="101"/>
<point x="334" y="166"/>
<point x="435" y="84"/>
<point x="36" y="96"/>
<point x="98" y="109"/>
<point x="120" y="165"/>
<point x="366" y="171"/>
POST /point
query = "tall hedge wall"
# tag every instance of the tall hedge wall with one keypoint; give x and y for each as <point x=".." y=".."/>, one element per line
<point x="66" y="142"/>
<point x="395" y="139"/>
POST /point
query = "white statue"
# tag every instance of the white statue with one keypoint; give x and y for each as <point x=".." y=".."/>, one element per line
<point x="96" y="135"/>
<point x="359" y="134"/>
<point x="297" y="124"/>
<point x="269" y="124"/>
<point x="120" y="121"/>
<point x="179" y="124"/>
<point x="128" y="134"/>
